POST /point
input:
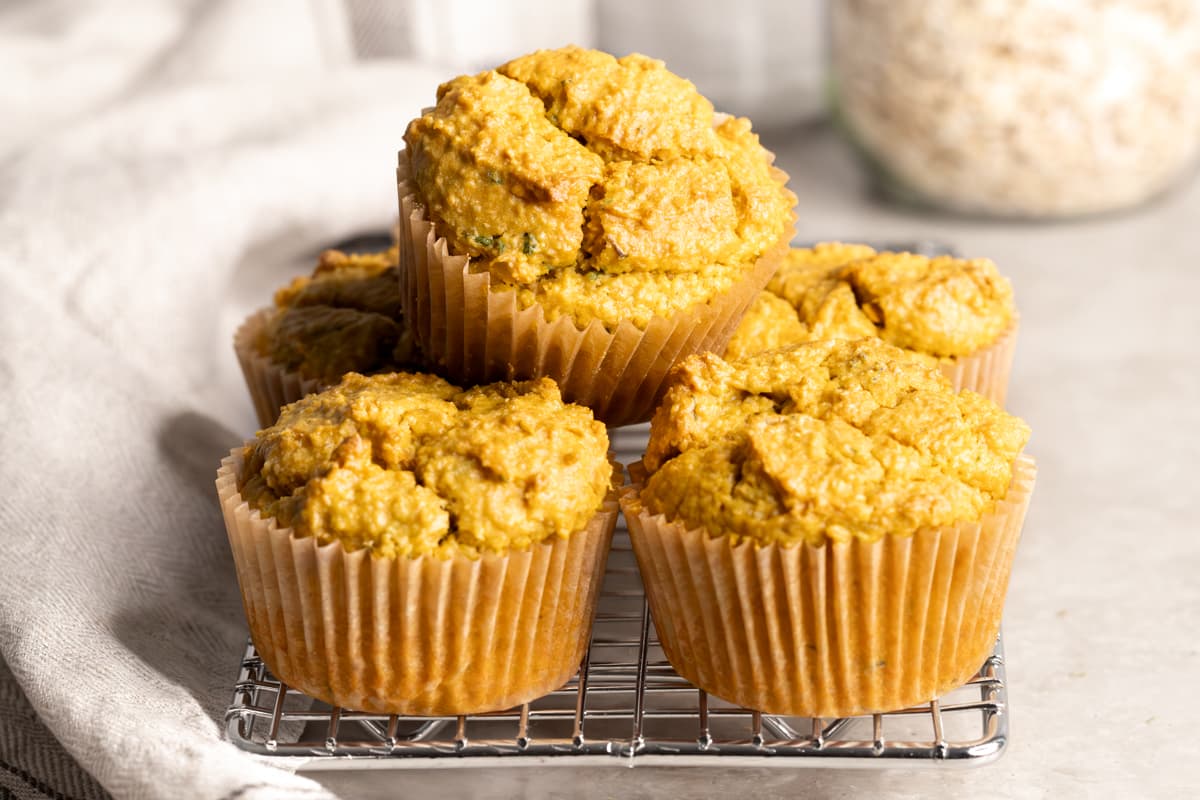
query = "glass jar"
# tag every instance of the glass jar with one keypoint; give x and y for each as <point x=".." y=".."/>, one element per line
<point x="1021" y="108"/>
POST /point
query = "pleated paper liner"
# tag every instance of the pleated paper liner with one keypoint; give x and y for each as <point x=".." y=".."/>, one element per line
<point x="421" y="636"/>
<point x="987" y="370"/>
<point x="476" y="335"/>
<point x="843" y="629"/>
<point x="271" y="386"/>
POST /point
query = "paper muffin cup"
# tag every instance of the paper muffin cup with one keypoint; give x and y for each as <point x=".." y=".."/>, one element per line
<point x="271" y="386"/>
<point x="421" y="636"/>
<point x="986" y="371"/>
<point x="838" y="630"/>
<point x="475" y="334"/>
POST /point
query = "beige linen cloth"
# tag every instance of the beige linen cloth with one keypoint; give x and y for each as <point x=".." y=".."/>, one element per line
<point x="162" y="168"/>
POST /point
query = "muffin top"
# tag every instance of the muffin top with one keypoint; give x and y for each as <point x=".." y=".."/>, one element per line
<point x="600" y="188"/>
<point x="406" y="464"/>
<point x="937" y="307"/>
<point x="344" y="318"/>
<point x="825" y="440"/>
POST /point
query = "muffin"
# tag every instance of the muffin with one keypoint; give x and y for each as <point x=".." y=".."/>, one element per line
<point x="957" y="314"/>
<point x="827" y="529"/>
<point x="343" y="318"/>
<point x="407" y="547"/>
<point x="584" y="217"/>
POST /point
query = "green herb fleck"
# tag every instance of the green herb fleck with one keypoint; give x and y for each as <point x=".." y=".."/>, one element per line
<point x="494" y="177"/>
<point x="593" y="276"/>
<point x="529" y="243"/>
<point x="490" y="242"/>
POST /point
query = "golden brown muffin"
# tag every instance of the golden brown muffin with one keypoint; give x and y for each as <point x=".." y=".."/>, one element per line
<point x="408" y="465"/>
<point x="407" y="547"/>
<point x="583" y="188"/>
<point x="345" y="317"/>
<point x="827" y="440"/>
<point x="955" y="313"/>
<point x="842" y="520"/>
<point x="602" y="188"/>
<point x="941" y="307"/>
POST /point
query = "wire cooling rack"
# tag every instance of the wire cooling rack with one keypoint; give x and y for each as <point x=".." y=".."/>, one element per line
<point x="625" y="706"/>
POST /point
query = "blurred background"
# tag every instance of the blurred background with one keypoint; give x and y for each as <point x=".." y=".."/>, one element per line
<point x="1023" y="108"/>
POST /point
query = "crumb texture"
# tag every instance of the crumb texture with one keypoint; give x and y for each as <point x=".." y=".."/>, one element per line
<point x="938" y="308"/>
<point x="825" y="441"/>
<point x="407" y="464"/>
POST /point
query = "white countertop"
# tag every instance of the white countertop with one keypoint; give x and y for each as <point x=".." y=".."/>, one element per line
<point x="1104" y="606"/>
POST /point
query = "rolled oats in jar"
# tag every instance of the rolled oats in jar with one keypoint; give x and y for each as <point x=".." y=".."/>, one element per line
<point x="1023" y="108"/>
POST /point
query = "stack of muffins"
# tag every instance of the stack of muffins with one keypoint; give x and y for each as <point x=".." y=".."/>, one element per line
<point x="824" y="519"/>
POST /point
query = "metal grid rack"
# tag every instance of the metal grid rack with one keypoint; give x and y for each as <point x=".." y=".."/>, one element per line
<point x="626" y="706"/>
